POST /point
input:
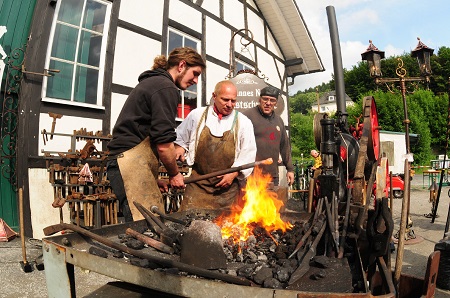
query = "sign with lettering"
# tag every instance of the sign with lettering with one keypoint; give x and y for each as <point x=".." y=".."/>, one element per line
<point x="249" y="89"/>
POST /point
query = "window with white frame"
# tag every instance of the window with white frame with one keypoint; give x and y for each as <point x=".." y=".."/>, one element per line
<point x="189" y="97"/>
<point x="77" y="49"/>
<point x="242" y="66"/>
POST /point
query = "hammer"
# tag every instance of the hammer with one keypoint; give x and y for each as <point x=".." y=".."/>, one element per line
<point x="54" y="116"/>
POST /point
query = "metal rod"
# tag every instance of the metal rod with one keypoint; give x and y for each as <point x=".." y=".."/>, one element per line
<point x="403" y="223"/>
<point x="155" y="219"/>
<point x="227" y="171"/>
<point x="345" y="225"/>
<point x="50" y="230"/>
<point x="156" y="210"/>
<point x="443" y="166"/>
<point x="150" y="241"/>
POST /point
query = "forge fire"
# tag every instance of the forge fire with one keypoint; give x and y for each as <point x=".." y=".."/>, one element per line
<point x="261" y="208"/>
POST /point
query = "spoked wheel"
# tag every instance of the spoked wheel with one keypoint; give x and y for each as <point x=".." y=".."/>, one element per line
<point x="373" y="148"/>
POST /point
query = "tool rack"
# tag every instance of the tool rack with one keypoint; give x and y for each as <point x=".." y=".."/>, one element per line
<point x="91" y="200"/>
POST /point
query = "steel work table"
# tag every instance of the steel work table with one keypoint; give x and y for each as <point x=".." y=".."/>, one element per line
<point x="60" y="261"/>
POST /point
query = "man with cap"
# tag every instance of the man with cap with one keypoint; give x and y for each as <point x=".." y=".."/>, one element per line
<point x="270" y="135"/>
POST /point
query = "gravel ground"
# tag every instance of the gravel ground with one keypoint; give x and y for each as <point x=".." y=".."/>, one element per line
<point x="16" y="283"/>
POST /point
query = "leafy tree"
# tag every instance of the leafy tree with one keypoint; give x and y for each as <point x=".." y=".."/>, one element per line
<point x="302" y="136"/>
<point x="302" y="102"/>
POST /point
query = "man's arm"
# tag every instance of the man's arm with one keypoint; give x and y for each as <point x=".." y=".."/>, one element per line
<point x="246" y="146"/>
<point x="167" y="155"/>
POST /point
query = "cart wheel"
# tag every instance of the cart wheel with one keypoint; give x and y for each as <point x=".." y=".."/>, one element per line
<point x="399" y="193"/>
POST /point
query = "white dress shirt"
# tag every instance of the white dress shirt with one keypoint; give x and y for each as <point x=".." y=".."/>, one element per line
<point x="189" y="130"/>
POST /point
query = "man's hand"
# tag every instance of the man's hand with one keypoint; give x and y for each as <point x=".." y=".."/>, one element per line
<point x="227" y="180"/>
<point x="163" y="186"/>
<point x="177" y="181"/>
<point x="179" y="153"/>
<point x="290" y="178"/>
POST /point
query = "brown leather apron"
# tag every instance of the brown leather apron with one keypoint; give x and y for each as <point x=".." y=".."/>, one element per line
<point x="212" y="154"/>
<point x="139" y="167"/>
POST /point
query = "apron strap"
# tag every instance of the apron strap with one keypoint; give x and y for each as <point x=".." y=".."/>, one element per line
<point x="234" y="127"/>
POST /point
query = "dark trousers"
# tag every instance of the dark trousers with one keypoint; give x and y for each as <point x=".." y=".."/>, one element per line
<point x="115" y="179"/>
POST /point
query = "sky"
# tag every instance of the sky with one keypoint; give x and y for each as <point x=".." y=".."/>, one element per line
<point x="392" y="25"/>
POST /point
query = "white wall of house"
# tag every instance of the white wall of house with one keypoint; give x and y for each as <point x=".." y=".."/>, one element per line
<point x="394" y="145"/>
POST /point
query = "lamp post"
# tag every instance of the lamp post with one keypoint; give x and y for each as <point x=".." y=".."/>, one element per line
<point x="373" y="57"/>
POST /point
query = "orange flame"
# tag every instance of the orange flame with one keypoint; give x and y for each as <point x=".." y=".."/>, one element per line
<point x="261" y="207"/>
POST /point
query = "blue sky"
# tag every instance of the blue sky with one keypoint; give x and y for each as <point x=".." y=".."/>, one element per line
<point x="392" y="25"/>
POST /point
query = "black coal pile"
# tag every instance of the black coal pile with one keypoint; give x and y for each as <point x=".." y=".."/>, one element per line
<point x="300" y="258"/>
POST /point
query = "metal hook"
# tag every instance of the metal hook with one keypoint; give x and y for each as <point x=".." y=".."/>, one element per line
<point x="248" y="35"/>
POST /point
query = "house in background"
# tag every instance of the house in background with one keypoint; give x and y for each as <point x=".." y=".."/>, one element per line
<point x="80" y="60"/>
<point x="327" y="103"/>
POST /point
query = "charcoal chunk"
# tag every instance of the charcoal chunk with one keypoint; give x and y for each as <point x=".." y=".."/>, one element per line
<point x="98" y="252"/>
<point x="262" y="274"/>
<point x="272" y="283"/>
<point x="134" y="244"/>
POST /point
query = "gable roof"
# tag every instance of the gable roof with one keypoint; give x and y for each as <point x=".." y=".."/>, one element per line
<point x="292" y="35"/>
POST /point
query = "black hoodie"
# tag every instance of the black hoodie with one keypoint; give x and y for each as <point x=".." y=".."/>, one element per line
<point x="149" y="110"/>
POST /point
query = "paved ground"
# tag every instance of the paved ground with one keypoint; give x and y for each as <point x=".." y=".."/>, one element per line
<point x="15" y="283"/>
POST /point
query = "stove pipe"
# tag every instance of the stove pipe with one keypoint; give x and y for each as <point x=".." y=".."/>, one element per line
<point x="338" y="68"/>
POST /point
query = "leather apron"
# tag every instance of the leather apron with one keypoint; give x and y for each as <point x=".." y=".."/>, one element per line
<point x="212" y="154"/>
<point x="139" y="168"/>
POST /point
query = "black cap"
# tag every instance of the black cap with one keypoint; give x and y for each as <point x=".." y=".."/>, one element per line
<point x="270" y="91"/>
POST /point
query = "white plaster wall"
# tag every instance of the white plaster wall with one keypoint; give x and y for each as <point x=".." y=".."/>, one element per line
<point x="256" y="26"/>
<point x="142" y="13"/>
<point x="285" y="115"/>
<point x="233" y="13"/>
<point x="186" y="15"/>
<point x="134" y="54"/>
<point x="212" y="7"/>
<point x="272" y="46"/>
<point x="41" y="199"/>
<point x="218" y="41"/>
<point x="66" y="125"/>
<point x="396" y="166"/>
<point x="117" y="102"/>
<point x="215" y="74"/>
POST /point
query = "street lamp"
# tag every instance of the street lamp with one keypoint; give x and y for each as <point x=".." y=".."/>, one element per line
<point x="373" y="57"/>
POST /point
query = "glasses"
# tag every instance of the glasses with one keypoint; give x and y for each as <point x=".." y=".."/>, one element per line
<point x="271" y="99"/>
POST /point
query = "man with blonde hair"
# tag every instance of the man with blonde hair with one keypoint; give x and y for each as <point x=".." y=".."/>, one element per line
<point x="215" y="138"/>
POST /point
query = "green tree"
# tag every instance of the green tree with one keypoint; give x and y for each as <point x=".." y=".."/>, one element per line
<point x="302" y="137"/>
<point x="302" y="102"/>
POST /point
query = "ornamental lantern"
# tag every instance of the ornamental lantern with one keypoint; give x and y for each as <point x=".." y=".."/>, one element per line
<point x="373" y="57"/>
<point x="423" y="54"/>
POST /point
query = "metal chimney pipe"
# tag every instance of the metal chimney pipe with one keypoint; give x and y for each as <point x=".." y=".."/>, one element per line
<point x="337" y="65"/>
